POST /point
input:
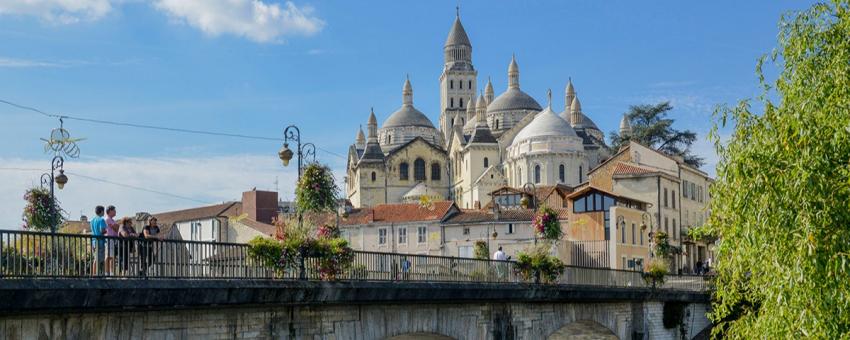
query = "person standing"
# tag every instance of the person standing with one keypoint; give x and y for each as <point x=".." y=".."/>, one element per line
<point x="98" y="228"/>
<point x="499" y="255"/>
<point x="127" y="243"/>
<point x="150" y="234"/>
<point x="111" y="243"/>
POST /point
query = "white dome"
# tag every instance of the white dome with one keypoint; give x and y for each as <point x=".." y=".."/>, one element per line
<point x="545" y="124"/>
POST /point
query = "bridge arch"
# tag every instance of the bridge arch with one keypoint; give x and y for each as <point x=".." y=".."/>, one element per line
<point x="583" y="330"/>
<point x="420" y="336"/>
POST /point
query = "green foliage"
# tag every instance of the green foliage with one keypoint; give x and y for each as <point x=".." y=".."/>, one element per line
<point x="480" y="250"/>
<point x="663" y="248"/>
<point x="651" y="127"/>
<point x="316" y="189"/>
<point x="537" y="260"/>
<point x="779" y="205"/>
<point x="655" y="271"/>
<point x="41" y="212"/>
<point x="265" y="251"/>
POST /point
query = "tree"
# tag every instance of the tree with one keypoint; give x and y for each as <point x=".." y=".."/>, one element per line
<point x="651" y="127"/>
<point x="779" y="205"/>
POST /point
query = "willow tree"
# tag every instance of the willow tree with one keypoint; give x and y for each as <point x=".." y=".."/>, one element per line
<point x="780" y="202"/>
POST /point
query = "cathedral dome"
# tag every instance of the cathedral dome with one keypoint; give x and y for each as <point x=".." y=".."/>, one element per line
<point x="457" y="35"/>
<point x="513" y="99"/>
<point x="545" y="124"/>
<point x="407" y="115"/>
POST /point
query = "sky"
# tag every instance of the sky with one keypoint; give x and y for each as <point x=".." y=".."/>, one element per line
<point x="252" y="67"/>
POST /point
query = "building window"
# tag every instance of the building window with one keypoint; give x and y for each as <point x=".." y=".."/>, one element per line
<point x="402" y="235"/>
<point x="435" y="172"/>
<point x="536" y="174"/>
<point x="674" y="198"/>
<point x="665" y="197"/>
<point x="623" y="233"/>
<point x="580" y="174"/>
<point x="497" y="124"/>
<point x="466" y="230"/>
<point x="693" y="191"/>
<point x="419" y="169"/>
<point x="666" y="226"/>
<point x="486" y="162"/>
<point x="641" y="237"/>
<point x="420" y="234"/>
<point x="451" y="102"/>
<point x="607" y="217"/>
<point x="469" y="84"/>
<point x="195" y="231"/>
<point x="562" y="173"/>
<point x="451" y="84"/>
<point x="461" y="102"/>
<point x="510" y="228"/>
<point x="460" y="84"/>
<point x="382" y="236"/>
<point x="675" y="234"/>
<point x="685" y="189"/>
<point x="374" y="176"/>
<point x="634" y="239"/>
<point x="403" y="171"/>
<point x="519" y="176"/>
<point x="700" y="194"/>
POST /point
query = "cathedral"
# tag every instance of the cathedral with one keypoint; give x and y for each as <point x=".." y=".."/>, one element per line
<point x="484" y="142"/>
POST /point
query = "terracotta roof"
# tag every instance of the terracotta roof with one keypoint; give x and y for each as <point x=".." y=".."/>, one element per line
<point x="403" y="212"/>
<point x="632" y="169"/>
<point x="589" y="188"/>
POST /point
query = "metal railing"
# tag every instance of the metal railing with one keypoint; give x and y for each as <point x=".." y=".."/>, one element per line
<point x="31" y="254"/>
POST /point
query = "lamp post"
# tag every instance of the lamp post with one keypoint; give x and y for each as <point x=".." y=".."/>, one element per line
<point x="49" y="179"/>
<point x="292" y="133"/>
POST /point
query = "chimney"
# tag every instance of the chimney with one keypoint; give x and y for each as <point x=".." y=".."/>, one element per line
<point x="260" y="206"/>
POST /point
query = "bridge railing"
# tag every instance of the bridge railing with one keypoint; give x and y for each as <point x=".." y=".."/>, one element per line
<point x="34" y="254"/>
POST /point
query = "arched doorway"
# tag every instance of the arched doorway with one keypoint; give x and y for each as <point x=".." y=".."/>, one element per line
<point x="419" y="336"/>
<point x="583" y="330"/>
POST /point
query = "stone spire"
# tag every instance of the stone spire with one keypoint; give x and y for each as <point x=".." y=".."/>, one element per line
<point x="457" y="48"/>
<point x="470" y="109"/>
<point x="625" y="126"/>
<point x="407" y="93"/>
<point x="372" y="126"/>
<point x="576" y="118"/>
<point x="488" y="92"/>
<point x="373" y="150"/>
<point x="360" y="142"/>
<point x="569" y="95"/>
<point x="481" y="110"/>
<point x="513" y="74"/>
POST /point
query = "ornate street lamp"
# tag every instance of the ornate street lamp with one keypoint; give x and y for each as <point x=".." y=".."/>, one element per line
<point x="49" y="179"/>
<point x="292" y="133"/>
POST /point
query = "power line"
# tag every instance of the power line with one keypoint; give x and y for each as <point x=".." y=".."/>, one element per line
<point x="155" y="127"/>
<point x="113" y="183"/>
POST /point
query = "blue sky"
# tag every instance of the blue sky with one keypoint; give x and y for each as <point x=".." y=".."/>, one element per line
<point x="212" y="65"/>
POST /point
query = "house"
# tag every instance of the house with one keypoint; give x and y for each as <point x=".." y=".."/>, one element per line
<point x="409" y="228"/>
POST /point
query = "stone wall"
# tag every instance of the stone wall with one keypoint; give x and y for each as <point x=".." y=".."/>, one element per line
<point x="460" y="321"/>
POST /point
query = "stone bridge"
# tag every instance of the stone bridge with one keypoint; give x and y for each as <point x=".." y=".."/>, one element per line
<point x="269" y="309"/>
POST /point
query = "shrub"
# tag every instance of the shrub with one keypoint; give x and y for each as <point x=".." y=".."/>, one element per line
<point x="481" y="250"/>
<point x="655" y="271"/>
<point x="537" y="261"/>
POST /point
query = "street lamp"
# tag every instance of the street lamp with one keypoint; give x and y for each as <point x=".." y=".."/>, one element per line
<point x="49" y="179"/>
<point x="292" y="133"/>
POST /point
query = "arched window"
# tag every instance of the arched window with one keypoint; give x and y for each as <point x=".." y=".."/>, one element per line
<point x="537" y="174"/>
<point x="486" y="162"/>
<point x="435" y="172"/>
<point x="497" y="125"/>
<point x="460" y="83"/>
<point x="403" y="171"/>
<point x="389" y="139"/>
<point x="374" y="176"/>
<point x="470" y="84"/>
<point x="461" y="103"/>
<point x="419" y="169"/>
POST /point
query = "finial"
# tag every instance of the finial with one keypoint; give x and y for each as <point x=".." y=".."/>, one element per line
<point x="549" y="96"/>
<point x="457" y="9"/>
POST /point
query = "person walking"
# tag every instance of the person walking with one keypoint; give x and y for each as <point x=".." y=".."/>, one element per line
<point x="150" y="234"/>
<point x="98" y="228"/>
<point x="127" y="243"/>
<point x="111" y="244"/>
<point x="499" y="255"/>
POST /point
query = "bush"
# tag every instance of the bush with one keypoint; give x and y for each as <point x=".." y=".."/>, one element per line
<point x="655" y="271"/>
<point x="481" y="250"/>
<point x="537" y="261"/>
<point x="265" y="251"/>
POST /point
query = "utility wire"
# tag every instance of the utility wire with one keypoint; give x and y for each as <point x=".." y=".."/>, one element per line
<point x="113" y="183"/>
<point x="154" y="127"/>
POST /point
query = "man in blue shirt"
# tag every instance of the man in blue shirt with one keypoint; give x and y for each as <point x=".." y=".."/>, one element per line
<point x="98" y="228"/>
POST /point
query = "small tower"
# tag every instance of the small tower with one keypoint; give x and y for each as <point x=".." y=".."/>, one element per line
<point x="459" y="78"/>
<point x="360" y="141"/>
<point x="407" y="93"/>
<point x="488" y="92"/>
<point x="513" y="74"/>
<point x="625" y="127"/>
<point x="569" y="95"/>
<point x="481" y="109"/>
<point x="576" y="118"/>
<point x="470" y="110"/>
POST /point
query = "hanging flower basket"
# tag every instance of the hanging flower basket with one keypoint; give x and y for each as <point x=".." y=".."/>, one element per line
<point x="41" y="212"/>
<point x="316" y="190"/>
<point x="546" y="224"/>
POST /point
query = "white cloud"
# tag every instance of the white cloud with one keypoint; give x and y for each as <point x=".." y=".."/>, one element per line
<point x="208" y="180"/>
<point x="23" y="63"/>
<point x="253" y="19"/>
<point x="57" y="11"/>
